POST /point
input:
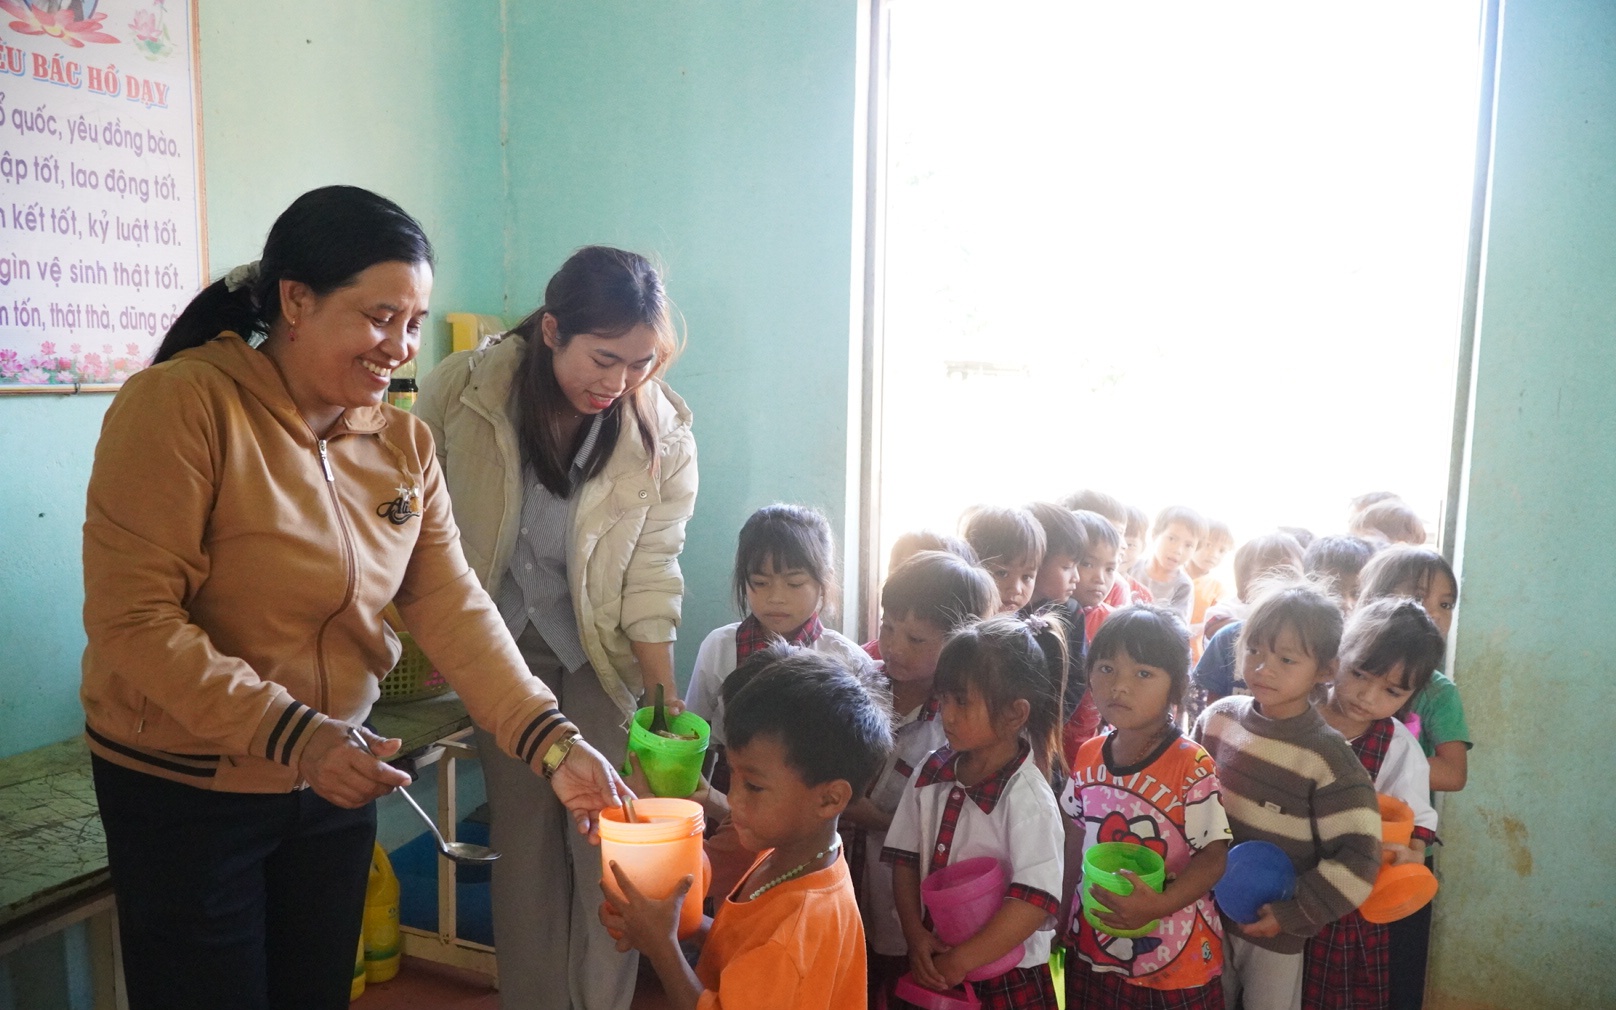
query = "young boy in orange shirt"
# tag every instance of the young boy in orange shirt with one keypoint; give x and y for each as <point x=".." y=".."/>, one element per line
<point x="805" y="737"/>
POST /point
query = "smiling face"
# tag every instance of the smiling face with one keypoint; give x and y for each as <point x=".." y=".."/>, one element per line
<point x="1095" y="574"/>
<point x="339" y="350"/>
<point x="909" y="648"/>
<point x="1364" y="697"/>
<point x="1056" y="580"/>
<point x="769" y="802"/>
<point x="596" y="371"/>
<point x="1015" y="580"/>
<point x="1281" y="675"/>
<point x="1130" y="695"/>
<point x="782" y="600"/>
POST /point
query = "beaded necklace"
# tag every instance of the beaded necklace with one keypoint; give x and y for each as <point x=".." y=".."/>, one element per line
<point x="797" y="871"/>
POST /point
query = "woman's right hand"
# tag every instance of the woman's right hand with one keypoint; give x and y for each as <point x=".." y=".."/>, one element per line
<point x="586" y="783"/>
<point x="339" y="770"/>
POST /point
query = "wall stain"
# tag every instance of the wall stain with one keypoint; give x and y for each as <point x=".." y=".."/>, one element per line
<point x="1512" y="832"/>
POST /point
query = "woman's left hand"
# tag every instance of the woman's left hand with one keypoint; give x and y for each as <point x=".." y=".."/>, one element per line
<point x="586" y="783"/>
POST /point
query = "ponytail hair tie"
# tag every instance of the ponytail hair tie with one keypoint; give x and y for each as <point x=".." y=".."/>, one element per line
<point x="1038" y="624"/>
<point x="245" y="275"/>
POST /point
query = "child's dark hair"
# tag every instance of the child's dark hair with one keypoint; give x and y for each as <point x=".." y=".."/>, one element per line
<point x="1152" y="635"/>
<point x="1261" y="555"/>
<point x="941" y="588"/>
<point x="1301" y="534"/>
<point x="1391" y="630"/>
<point x="785" y="537"/>
<point x="1003" y="535"/>
<point x="1218" y="531"/>
<point x="1184" y="516"/>
<point x="1392" y="520"/>
<point x="1339" y="557"/>
<point x="1062" y="536"/>
<point x="909" y="544"/>
<point x="1358" y="503"/>
<point x="1009" y="659"/>
<point x="1138" y="523"/>
<point x="1095" y="501"/>
<point x="833" y="723"/>
<point x="1299" y="606"/>
<point x="1097" y="531"/>
<point x="1403" y="570"/>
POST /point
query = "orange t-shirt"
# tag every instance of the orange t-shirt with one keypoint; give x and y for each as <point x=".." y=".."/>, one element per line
<point x="799" y="946"/>
<point x="1209" y="589"/>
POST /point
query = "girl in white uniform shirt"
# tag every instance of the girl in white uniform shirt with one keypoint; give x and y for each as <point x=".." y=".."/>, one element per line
<point x="785" y="572"/>
<point x="987" y="794"/>
<point x="925" y="598"/>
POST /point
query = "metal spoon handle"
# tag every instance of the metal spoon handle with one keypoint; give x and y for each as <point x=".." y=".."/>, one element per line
<point x="359" y="738"/>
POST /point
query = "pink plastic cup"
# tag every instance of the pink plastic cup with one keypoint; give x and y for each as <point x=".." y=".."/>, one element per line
<point x="962" y="897"/>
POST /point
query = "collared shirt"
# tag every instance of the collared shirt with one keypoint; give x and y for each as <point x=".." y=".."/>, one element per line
<point x="534" y="589"/>
<point x="1011" y="815"/>
<point x="916" y="734"/>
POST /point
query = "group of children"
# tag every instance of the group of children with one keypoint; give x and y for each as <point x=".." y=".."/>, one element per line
<point x="1031" y="695"/>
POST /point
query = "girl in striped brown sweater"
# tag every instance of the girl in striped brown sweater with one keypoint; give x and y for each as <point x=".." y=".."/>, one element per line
<point x="1289" y="779"/>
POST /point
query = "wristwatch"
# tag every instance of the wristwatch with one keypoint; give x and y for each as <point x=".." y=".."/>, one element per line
<point x="557" y="753"/>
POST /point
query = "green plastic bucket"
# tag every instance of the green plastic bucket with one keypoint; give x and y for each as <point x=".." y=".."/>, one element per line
<point x="673" y="767"/>
<point x="1100" y="865"/>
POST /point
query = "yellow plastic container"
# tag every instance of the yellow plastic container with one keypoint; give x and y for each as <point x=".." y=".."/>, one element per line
<point x="357" y="989"/>
<point x="381" y="944"/>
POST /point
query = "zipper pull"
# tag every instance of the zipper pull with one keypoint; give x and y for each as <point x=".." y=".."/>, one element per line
<point x="325" y="461"/>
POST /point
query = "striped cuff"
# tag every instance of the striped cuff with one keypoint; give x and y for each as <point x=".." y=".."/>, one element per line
<point x="1425" y="835"/>
<point x="541" y="731"/>
<point x="897" y="856"/>
<point x="1041" y="900"/>
<point x="285" y="731"/>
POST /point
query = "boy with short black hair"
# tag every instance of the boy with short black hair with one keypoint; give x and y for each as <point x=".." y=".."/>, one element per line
<point x="806" y="735"/>
<point x="1339" y="558"/>
<point x="1174" y="536"/>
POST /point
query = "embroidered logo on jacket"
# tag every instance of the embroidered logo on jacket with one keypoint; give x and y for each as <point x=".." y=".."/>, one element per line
<point x="403" y="508"/>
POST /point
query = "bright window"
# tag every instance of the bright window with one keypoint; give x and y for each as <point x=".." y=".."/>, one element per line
<point x="1208" y="254"/>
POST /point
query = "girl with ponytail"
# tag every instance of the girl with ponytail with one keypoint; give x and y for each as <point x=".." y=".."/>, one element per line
<point x="987" y="793"/>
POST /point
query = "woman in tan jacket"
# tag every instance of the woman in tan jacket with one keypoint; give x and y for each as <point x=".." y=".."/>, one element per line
<point x="252" y="509"/>
<point x="573" y="471"/>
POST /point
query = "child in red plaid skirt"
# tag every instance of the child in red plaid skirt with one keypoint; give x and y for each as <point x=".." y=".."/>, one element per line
<point x="987" y="794"/>
<point x="1143" y="783"/>
<point x="1388" y="650"/>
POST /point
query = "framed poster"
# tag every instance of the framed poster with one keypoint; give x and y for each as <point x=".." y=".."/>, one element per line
<point x="102" y="238"/>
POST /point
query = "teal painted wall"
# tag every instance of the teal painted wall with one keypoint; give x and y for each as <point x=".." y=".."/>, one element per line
<point x="404" y="100"/>
<point x="1527" y="914"/>
<point x="718" y="137"/>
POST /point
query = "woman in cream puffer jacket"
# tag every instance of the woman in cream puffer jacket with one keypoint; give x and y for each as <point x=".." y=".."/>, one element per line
<point x="572" y="470"/>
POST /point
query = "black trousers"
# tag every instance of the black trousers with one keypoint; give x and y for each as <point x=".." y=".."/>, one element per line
<point x="233" y="900"/>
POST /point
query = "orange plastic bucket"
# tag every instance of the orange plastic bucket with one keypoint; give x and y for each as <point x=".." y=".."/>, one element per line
<point x="656" y="852"/>
<point x="1396" y="820"/>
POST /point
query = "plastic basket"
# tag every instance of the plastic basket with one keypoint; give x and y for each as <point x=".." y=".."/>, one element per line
<point x="413" y="677"/>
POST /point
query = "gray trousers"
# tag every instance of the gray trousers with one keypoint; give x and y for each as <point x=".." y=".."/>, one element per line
<point x="553" y="952"/>
<point x="1259" y="979"/>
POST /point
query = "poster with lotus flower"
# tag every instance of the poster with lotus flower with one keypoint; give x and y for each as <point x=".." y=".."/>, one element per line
<point x="102" y="238"/>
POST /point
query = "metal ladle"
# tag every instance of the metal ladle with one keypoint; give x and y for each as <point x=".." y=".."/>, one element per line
<point x="460" y="852"/>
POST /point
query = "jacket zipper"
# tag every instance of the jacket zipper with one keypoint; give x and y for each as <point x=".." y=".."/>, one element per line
<point x="348" y="592"/>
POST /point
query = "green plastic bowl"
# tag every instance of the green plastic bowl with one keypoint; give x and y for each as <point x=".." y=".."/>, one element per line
<point x="672" y="767"/>
<point x="1100" y="865"/>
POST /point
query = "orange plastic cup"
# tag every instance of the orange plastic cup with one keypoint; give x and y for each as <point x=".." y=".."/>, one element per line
<point x="1396" y="820"/>
<point x="656" y="852"/>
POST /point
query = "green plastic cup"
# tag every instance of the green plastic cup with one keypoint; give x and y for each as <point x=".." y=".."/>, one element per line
<point x="1100" y="865"/>
<point x="673" y="767"/>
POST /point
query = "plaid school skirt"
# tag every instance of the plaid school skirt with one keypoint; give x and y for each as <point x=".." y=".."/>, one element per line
<point x="1108" y="990"/>
<point x="1016" y="989"/>
<point x="1347" y="966"/>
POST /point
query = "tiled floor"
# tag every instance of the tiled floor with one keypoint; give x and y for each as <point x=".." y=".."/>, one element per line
<point x="422" y="985"/>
